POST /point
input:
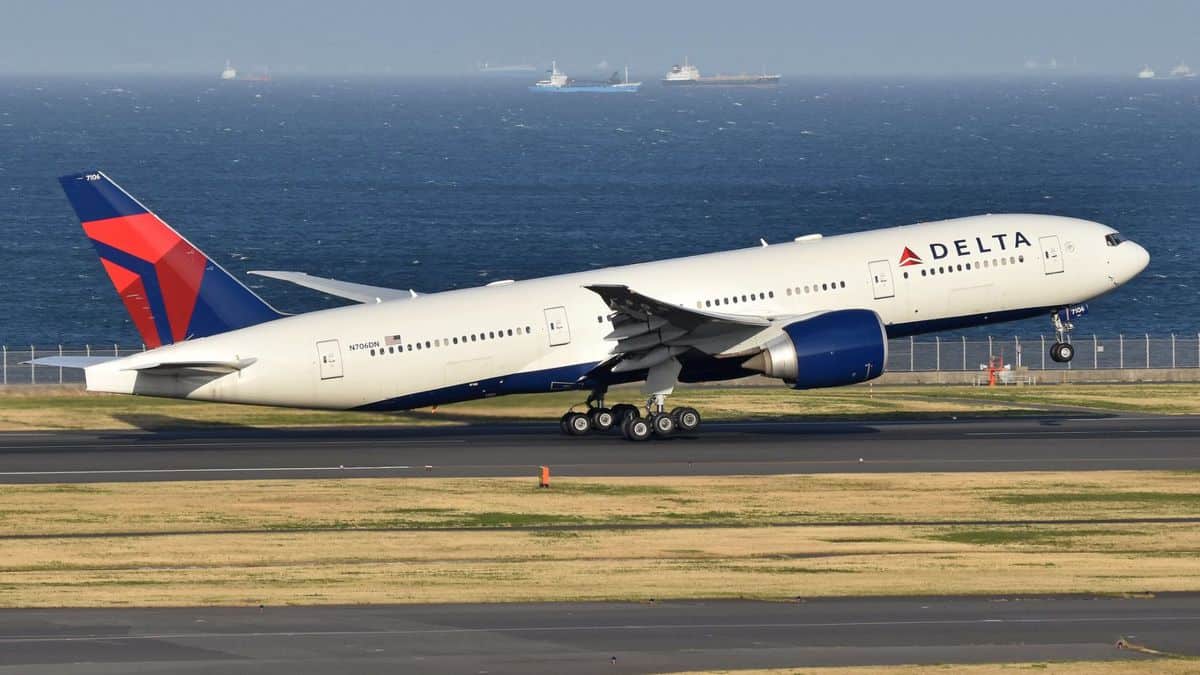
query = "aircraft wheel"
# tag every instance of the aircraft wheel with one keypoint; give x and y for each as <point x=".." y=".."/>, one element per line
<point x="636" y="429"/>
<point x="662" y="424"/>
<point x="577" y="424"/>
<point x="601" y="419"/>
<point x="562" y="423"/>
<point x="622" y="411"/>
<point x="686" y="419"/>
<point x="1062" y="352"/>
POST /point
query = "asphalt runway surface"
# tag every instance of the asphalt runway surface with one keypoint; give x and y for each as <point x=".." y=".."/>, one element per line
<point x="593" y="637"/>
<point x="1013" y="444"/>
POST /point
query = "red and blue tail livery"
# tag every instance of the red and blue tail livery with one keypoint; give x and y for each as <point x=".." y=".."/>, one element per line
<point x="172" y="291"/>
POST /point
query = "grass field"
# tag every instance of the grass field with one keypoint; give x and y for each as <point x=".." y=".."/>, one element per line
<point x="460" y="540"/>
<point x="1148" y="666"/>
<point x="39" y="408"/>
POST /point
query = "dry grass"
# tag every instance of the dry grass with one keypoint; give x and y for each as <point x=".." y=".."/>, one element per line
<point x="1150" y="666"/>
<point x="70" y="408"/>
<point x="252" y="542"/>
<point x="504" y="502"/>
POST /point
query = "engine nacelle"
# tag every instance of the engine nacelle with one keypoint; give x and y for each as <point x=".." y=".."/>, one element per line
<point x="828" y="350"/>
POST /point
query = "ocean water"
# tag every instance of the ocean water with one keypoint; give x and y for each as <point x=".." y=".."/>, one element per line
<point x="438" y="185"/>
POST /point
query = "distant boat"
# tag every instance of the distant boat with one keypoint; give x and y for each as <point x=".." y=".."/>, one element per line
<point x="1182" y="70"/>
<point x="1146" y="73"/>
<point x="559" y="83"/>
<point x="688" y="75"/>
<point x="230" y="73"/>
<point x="486" y="67"/>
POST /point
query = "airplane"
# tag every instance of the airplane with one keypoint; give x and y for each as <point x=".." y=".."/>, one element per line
<point x="814" y="312"/>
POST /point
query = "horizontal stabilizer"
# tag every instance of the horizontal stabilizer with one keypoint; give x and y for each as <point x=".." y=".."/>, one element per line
<point x="342" y="289"/>
<point x="181" y="367"/>
<point x="69" y="361"/>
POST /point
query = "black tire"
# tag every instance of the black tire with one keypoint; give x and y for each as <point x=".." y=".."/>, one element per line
<point x="577" y="424"/>
<point x="623" y="410"/>
<point x="1066" y="352"/>
<point x="636" y="429"/>
<point x="1062" y="352"/>
<point x="686" y="419"/>
<point x="662" y="424"/>
<point x="602" y="419"/>
<point x="562" y="424"/>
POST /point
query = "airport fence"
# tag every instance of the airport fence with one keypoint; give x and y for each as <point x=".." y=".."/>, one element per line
<point x="937" y="354"/>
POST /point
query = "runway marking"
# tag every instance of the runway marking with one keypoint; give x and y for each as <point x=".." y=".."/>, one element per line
<point x="496" y="469"/>
<point x="250" y="443"/>
<point x="1069" y="433"/>
<point x="569" y="629"/>
<point x="208" y="470"/>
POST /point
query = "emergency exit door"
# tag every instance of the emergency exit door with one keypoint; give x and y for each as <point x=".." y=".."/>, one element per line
<point x="329" y="353"/>
<point x="556" y="326"/>
<point x="881" y="279"/>
<point x="1051" y="255"/>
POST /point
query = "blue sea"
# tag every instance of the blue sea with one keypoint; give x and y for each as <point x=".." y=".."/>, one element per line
<point x="435" y="185"/>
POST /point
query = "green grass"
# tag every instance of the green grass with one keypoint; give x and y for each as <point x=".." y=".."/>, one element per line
<point x="998" y="536"/>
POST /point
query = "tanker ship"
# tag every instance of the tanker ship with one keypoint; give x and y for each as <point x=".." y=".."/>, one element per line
<point x="559" y="83"/>
<point x="688" y="74"/>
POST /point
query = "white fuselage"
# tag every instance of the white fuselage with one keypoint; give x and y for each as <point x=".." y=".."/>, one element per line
<point x="545" y="334"/>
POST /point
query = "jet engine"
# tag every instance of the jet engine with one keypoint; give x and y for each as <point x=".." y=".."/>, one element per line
<point x="827" y="350"/>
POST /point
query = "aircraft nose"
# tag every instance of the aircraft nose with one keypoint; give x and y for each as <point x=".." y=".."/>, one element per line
<point x="1139" y="259"/>
<point x="1129" y="262"/>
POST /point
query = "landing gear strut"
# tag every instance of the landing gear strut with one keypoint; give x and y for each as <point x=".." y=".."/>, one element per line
<point x="628" y="418"/>
<point x="1062" y="351"/>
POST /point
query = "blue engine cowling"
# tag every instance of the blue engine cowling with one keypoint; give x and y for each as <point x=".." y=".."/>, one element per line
<point x="827" y="350"/>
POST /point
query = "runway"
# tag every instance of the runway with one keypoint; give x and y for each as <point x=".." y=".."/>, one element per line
<point x="1019" y="444"/>
<point x="587" y="637"/>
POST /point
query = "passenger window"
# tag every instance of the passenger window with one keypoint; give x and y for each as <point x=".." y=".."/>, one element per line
<point x="770" y="294"/>
<point x="844" y="283"/>
<point x="743" y="298"/>
<point x="789" y="291"/>
<point x="509" y="332"/>
<point x="372" y="352"/>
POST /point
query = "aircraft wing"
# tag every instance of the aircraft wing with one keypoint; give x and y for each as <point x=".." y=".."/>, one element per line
<point x="648" y="331"/>
<point x="342" y="289"/>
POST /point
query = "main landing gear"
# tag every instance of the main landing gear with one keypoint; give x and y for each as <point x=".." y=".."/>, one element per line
<point x="629" y="420"/>
<point x="1062" y="351"/>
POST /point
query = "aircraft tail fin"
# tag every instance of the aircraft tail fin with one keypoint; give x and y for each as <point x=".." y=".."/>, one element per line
<point x="171" y="290"/>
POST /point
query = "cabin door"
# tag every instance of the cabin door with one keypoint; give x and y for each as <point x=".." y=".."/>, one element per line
<point x="881" y="279"/>
<point x="329" y="352"/>
<point x="556" y="326"/>
<point x="1051" y="256"/>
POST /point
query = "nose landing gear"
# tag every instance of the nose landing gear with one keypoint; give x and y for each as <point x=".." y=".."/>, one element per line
<point x="1062" y="351"/>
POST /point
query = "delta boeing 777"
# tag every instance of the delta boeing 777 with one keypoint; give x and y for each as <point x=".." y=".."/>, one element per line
<point x="814" y="312"/>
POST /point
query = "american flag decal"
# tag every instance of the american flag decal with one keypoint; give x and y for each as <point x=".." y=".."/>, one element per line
<point x="392" y="340"/>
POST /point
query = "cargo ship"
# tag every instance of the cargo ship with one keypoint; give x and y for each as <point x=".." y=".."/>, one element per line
<point x="689" y="75"/>
<point x="559" y="83"/>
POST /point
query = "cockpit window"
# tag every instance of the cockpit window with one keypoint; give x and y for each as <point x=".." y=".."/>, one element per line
<point x="1113" y="239"/>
